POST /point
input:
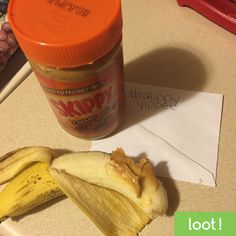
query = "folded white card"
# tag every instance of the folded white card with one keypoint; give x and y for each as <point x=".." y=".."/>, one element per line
<point x="177" y="130"/>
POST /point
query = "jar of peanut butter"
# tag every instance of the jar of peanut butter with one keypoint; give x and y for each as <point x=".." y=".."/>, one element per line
<point x="75" y="50"/>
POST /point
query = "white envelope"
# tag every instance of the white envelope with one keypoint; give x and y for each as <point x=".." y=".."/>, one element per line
<point x="177" y="130"/>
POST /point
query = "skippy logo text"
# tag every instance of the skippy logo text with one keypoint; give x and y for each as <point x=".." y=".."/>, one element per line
<point x="84" y="105"/>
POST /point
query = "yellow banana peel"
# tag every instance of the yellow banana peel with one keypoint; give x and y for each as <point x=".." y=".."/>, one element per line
<point x="31" y="188"/>
<point x="14" y="162"/>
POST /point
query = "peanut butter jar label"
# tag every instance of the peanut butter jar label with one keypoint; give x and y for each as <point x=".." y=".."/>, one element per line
<point x="88" y="107"/>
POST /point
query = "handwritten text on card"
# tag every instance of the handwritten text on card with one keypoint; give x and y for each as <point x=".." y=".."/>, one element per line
<point x="152" y="101"/>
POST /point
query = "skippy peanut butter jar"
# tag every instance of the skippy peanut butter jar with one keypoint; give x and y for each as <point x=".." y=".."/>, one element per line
<point x="75" y="50"/>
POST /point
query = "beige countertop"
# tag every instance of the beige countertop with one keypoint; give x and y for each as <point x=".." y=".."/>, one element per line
<point x="164" y="45"/>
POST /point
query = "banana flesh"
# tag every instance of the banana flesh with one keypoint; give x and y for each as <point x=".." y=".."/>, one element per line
<point x="111" y="204"/>
<point x="153" y="199"/>
<point x="98" y="168"/>
<point x="32" y="187"/>
<point x="14" y="162"/>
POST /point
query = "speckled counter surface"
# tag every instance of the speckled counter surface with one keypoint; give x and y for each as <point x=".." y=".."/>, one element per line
<point x="164" y="45"/>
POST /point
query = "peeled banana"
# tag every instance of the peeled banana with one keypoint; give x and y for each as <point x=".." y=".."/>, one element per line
<point x="30" y="188"/>
<point x="14" y="162"/>
<point x="119" y="195"/>
<point x="153" y="199"/>
<point x="98" y="168"/>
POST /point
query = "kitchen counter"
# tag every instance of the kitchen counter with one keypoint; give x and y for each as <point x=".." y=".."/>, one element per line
<point x="164" y="45"/>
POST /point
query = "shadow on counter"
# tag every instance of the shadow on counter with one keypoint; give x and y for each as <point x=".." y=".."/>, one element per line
<point x="166" y="67"/>
<point x="39" y="208"/>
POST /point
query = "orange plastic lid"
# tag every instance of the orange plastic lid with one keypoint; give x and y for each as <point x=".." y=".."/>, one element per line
<point x="66" y="33"/>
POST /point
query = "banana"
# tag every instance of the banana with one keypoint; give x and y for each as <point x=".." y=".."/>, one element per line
<point x="32" y="187"/>
<point x="119" y="195"/>
<point x="99" y="168"/>
<point x="14" y="162"/>
<point x="154" y="197"/>
<point x="123" y="198"/>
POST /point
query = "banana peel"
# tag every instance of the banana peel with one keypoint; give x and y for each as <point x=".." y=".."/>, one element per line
<point x="14" y="162"/>
<point x="29" y="189"/>
<point x="121" y="200"/>
<point x="112" y="212"/>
